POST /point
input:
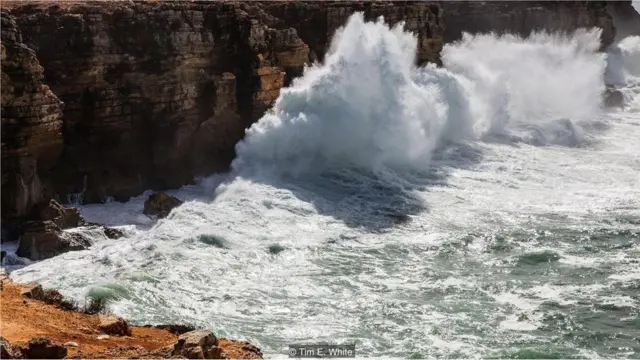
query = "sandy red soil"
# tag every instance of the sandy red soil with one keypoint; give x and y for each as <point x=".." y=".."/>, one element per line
<point x="23" y="318"/>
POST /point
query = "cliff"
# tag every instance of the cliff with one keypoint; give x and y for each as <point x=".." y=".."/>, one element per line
<point x="523" y="17"/>
<point x="154" y="93"/>
<point x="109" y="99"/>
<point x="31" y="126"/>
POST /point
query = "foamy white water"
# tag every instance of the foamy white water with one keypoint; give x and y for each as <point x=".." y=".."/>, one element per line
<point x="491" y="208"/>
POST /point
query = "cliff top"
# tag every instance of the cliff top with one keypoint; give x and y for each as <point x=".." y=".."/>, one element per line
<point x="24" y="318"/>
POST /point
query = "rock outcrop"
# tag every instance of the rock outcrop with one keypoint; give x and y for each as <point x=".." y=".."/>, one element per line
<point x="109" y="99"/>
<point x="41" y="236"/>
<point x="33" y="292"/>
<point x="62" y="216"/>
<point x="113" y="325"/>
<point x="43" y="348"/>
<point x="613" y="97"/>
<point x="44" y="239"/>
<point x="160" y="204"/>
<point x="198" y="344"/>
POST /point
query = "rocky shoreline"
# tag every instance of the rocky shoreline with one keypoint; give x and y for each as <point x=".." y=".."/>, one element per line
<point x="36" y="324"/>
<point x="105" y="100"/>
<point x="42" y="235"/>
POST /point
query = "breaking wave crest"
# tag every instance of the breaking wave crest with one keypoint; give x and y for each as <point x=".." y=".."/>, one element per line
<point x="370" y="107"/>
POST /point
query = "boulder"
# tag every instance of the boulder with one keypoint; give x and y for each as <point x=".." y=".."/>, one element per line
<point x="64" y="217"/>
<point x="192" y="353"/>
<point x="43" y="348"/>
<point x="112" y="233"/>
<point x="214" y="352"/>
<point x="613" y="98"/>
<point x="160" y="204"/>
<point x="198" y="344"/>
<point x="114" y="326"/>
<point x="44" y="239"/>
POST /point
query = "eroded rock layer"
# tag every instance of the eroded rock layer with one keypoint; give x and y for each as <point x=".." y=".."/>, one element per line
<point x="31" y="126"/>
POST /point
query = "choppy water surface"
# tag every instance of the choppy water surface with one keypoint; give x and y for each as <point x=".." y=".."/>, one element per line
<point x="488" y="210"/>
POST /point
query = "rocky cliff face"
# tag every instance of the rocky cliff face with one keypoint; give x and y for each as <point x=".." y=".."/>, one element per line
<point x="522" y="17"/>
<point x="109" y="99"/>
<point x="625" y="18"/>
<point x="154" y="93"/>
<point x="31" y="126"/>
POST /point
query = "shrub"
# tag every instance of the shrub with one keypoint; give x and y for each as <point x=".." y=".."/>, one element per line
<point x="95" y="306"/>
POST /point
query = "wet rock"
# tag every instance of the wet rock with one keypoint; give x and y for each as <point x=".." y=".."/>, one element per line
<point x="44" y="239"/>
<point x="114" y="326"/>
<point x="197" y="344"/>
<point x="276" y="249"/>
<point x="613" y="98"/>
<point x="400" y="218"/>
<point x="34" y="292"/>
<point x="43" y="348"/>
<point x="112" y="233"/>
<point x="160" y="204"/>
<point x="62" y="216"/>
